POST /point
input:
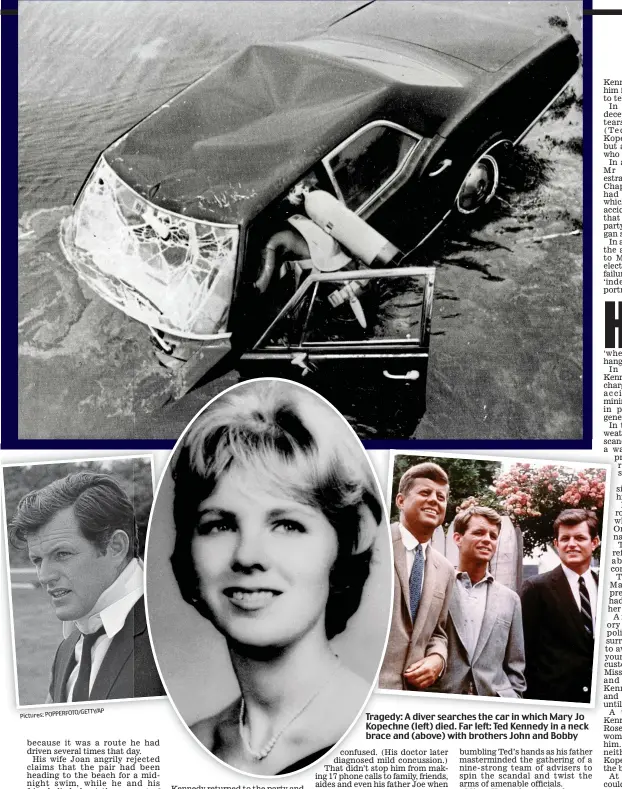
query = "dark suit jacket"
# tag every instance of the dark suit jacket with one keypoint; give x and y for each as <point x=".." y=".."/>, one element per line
<point x="128" y="670"/>
<point x="558" y="650"/>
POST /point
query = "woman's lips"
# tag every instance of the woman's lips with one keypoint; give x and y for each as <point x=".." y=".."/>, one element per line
<point x="250" y="599"/>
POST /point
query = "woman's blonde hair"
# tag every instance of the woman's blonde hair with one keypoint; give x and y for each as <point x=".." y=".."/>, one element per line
<point x="291" y="441"/>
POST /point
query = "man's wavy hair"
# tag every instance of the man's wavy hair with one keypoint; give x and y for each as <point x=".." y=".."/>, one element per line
<point x="427" y="470"/>
<point x="294" y="443"/>
<point x="574" y="518"/>
<point x="468" y="509"/>
<point x="99" y="503"/>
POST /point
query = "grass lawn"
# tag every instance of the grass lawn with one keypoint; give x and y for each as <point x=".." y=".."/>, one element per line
<point x="37" y="635"/>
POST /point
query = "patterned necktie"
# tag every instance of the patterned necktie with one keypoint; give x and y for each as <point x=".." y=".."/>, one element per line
<point x="416" y="577"/>
<point x="81" y="688"/>
<point x="586" y="608"/>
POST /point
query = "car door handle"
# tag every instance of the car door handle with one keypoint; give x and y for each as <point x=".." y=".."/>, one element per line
<point x="302" y="360"/>
<point x="411" y="375"/>
<point x="443" y="166"/>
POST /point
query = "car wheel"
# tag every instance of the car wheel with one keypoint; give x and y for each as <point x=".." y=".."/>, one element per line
<point x="482" y="180"/>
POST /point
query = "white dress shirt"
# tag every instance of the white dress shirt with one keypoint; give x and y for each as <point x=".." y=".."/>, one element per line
<point x="590" y="585"/>
<point x="473" y="598"/>
<point x="110" y="610"/>
<point x="410" y="545"/>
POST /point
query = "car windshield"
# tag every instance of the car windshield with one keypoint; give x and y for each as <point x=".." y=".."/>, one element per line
<point x="170" y="272"/>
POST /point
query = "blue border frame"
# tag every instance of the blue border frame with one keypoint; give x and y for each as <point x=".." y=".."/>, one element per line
<point x="9" y="405"/>
<point x="588" y="321"/>
<point x="9" y="218"/>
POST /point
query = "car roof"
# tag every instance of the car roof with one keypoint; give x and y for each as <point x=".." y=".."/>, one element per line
<point x="407" y="67"/>
<point x="446" y="27"/>
<point x="239" y="136"/>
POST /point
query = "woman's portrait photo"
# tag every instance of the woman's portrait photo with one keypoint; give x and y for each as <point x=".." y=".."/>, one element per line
<point x="268" y="577"/>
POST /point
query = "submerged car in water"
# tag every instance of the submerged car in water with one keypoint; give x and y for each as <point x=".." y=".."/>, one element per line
<point x="263" y="217"/>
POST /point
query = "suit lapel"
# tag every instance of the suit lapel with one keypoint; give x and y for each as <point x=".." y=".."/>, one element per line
<point x="491" y="612"/>
<point x="119" y="652"/>
<point x="458" y="616"/>
<point x="399" y="559"/>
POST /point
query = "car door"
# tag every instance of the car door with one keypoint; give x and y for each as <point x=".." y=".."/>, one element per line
<point x="361" y="338"/>
<point x="370" y="169"/>
<point x="402" y="184"/>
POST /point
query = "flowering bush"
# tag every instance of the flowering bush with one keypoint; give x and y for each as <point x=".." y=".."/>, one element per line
<point x="526" y="490"/>
<point x="533" y="496"/>
<point x="587" y="491"/>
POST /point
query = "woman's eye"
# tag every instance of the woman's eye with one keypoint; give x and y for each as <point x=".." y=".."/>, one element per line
<point x="62" y="554"/>
<point x="213" y="527"/>
<point x="290" y="526"/>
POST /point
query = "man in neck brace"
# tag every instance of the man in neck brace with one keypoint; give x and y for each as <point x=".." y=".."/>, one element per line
<point x="81" y="537"/>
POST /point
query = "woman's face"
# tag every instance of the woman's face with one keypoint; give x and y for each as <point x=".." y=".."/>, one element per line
<point x="263" y="562"/>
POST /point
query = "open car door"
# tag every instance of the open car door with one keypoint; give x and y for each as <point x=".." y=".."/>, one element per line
<point x="361" y="338"/>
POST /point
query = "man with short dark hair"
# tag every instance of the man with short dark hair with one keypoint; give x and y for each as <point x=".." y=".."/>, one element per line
<point x="559" y="614"/>
<point x="486" y="656"/>
<point x="423" y="580"/>
<point x="80" y="534"/>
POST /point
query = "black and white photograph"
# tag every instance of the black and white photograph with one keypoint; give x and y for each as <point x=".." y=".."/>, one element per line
<point x="268" y="575"/>
<point x="497" y="590"/>
<point x="75" y="535"/>
<point x="381" y="200"/>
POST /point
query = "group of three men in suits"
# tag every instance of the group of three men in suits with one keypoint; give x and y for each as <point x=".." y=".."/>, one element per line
<point x="80" y="532"/>
<point x="462" y="632"/>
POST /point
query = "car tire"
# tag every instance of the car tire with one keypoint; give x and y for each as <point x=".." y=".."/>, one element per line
<point x="482" y="179"/>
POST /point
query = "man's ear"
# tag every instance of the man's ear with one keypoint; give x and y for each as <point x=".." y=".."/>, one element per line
<point x="399" y="500"/>
<point x="595" y="542"/>
<point x="457" y="537"/>
<point x="118" y="545"/>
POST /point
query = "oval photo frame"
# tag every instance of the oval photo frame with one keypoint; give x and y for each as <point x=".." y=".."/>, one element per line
<point x="269" y="577"/>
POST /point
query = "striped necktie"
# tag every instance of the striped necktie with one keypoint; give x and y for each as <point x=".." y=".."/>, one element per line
<point x="586" y="608"/>
<point x="416" y="577"/>
<point x="81" y="690"/>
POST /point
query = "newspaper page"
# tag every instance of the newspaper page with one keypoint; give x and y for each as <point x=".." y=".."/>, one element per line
<point x="487" y="632"/>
